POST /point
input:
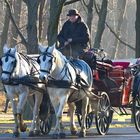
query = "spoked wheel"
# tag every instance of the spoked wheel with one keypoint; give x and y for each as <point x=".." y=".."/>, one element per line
<point x="45" y="125"/>
<point x="89" y="119"/>
<point x="104" y="114"/>
<point x="46" y="115"/>
<point x="136" y="112"/>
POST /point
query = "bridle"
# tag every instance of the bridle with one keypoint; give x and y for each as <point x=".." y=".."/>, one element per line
<point x="48" y="71"/>
<point x="47" y="54"/>
<point x="14" y="64"/>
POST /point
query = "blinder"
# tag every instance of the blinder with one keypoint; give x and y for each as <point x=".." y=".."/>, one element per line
<point x="6" y="59"/>
<point x="44" y="58"/>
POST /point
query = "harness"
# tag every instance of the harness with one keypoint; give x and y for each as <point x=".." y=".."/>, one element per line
<point x="17" y="80"/>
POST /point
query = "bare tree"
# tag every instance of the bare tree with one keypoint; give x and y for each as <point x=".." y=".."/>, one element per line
<point x="54" y="19"/>
<point x="121" y="5"/>
<point x="101" y="23"/>
<point x="89" y="9"/>
<point x="4" y="34"/>
<point x="32" y="6"/>
<point x="41" y="11"/>
<point x="137" y="27"/>
<point x="16" y="12"/>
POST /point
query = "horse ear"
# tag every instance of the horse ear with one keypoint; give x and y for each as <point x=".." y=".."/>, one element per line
<point x="52" y="48"/>
<point x="5" y="48"/>
<point x="41" y="48"/>
<point x="13" y="50"/>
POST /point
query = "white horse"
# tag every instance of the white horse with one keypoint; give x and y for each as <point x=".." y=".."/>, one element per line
<point x="15" y="65"/>
<point x="56" y="69"/>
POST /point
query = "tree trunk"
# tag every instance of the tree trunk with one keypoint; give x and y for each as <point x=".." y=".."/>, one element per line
<point x="45" y="20"/>
<point x="4" y="34"/>
<point x="32" y="6"/>
<point x="101" y="24"/>
<point x="121" y="10"/>
<point x="137" y="27"/>
<point x="90" y="14"/>
<point x="41" y="9"/>
<point x="17" y="11"/>
<point x="54" y="20"/>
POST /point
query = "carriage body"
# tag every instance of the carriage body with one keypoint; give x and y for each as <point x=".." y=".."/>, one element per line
<point x="117" y="79"/>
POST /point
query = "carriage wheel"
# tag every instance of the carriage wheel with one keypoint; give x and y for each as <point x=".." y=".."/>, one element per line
<point x="45" y="125"/>
<point x="89" y="119"/>
<point x="103" y="116"/>
<point x="46" y="115"/>
<point x="136" y="112"/>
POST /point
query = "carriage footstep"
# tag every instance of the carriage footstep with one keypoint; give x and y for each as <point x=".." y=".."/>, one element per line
<point x="16" y="134"/>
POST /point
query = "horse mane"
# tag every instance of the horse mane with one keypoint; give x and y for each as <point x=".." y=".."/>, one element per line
<point x="59" y="56"/>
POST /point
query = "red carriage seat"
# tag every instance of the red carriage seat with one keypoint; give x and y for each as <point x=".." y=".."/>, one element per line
<point x="124" y="65"/>
<point x="118" y="72"/>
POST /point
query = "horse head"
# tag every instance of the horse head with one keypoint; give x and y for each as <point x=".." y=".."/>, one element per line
<point x="47" y="61"/>
<point x="8" y="62"/>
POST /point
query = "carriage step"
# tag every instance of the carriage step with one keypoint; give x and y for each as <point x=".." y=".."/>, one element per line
<point x="115" y="90"/>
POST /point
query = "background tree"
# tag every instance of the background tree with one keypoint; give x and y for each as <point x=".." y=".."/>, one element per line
<point x="32" y="36"/>
<point x="137" y="26"/>
<point x="101" y="23"/>
<point x="121" y="4"/>
<point x="16" y="12"/>
<point x="4" y="34"/>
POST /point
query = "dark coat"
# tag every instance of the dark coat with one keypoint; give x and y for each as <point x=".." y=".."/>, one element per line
<point x="78" y="31"/>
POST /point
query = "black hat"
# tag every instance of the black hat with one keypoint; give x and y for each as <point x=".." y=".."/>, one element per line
<point x="73" y="12"/>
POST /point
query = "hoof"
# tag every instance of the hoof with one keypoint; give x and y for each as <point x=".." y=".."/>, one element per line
<point x="73" y="132"/>
<point x="23" y="127"/>
<point x="62" y="135"/>
<point x="16" y="134"/>
<point x="82" y="134"/>
<point x="31" y="134"/>
<point x="55" y="136"/>
<point x="37" y="133"/>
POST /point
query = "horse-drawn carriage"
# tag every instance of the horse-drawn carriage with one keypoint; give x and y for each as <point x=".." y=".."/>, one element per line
<point x="120" y="80"/>
<point x="95" y="90"/>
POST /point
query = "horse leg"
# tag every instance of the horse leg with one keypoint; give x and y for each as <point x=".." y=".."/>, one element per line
<point x="63" y="101"/>
<point x="72" y="121"/>
<point x="14" y="108"/>
<point x="35" y="126"/>
<point x="85" y="102"/>
<point x="59" y="129"/>
<point x="20" y="106"/>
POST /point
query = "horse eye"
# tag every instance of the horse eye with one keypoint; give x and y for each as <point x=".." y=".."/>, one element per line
<point x="50" y="60"/>
<point x="12" y="62"/>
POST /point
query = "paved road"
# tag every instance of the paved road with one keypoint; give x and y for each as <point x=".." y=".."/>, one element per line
<point x="128" y="133"/>
<point x="123" y="133"/>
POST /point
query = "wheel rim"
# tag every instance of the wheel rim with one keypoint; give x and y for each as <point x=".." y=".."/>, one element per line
<point x="45" y="125"/>
<point x="136" y="112"/>
<point x="102" y="118"/>
<point x="89" y="119"/>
